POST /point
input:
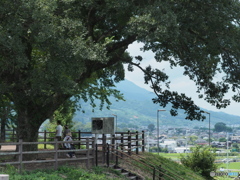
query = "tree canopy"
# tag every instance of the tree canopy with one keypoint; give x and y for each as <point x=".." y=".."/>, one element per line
<point x="53" y="50"/>
<point x="222" y="127"/>
<point x="201" y="160"/>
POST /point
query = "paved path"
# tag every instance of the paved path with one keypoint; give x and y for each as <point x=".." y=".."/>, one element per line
<point x="8" y="148"/>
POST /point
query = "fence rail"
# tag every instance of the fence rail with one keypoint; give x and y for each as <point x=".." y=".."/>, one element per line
<point x="130" y="141"/>
<point x="125" y="138"/>
<point x="89" y="151"/>
<point x="156" y="171"/>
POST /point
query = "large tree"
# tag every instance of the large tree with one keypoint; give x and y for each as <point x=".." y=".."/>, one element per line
<point x="7" y="116"/>
<point x="53" y="50"/>
<point x="220" y="127"/>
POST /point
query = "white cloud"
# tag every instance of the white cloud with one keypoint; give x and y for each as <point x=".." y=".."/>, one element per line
<point x="179" y="82"/>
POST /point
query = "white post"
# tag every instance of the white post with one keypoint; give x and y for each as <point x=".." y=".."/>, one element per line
<point x="158" y="128"/>
<point x="227" y="152"/>
<point x="148" y="141"/>
<point x="186" y="142"/>
<point x="4" y="177"/>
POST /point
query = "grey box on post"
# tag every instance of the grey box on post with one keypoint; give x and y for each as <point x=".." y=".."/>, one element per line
<point x="103" y="125"/>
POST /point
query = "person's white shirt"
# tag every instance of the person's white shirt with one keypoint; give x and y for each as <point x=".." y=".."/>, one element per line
<point x="59" y="130"/>
<point x="67" y="138"/>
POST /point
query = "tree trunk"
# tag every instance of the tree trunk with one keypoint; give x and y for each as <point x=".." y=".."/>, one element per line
<point x="3" y="126"/>
<point x="27" y="130"/>
<point x="30" y="116"/>
<point x="3" y="130"/>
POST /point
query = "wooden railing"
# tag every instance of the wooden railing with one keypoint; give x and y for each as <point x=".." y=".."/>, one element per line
<point x="125" y="138"/>
<point x="130" y="142"/>
<point x="156" y="171"/>
<point x="89" y="151"/>
<point x="10" y="135"/>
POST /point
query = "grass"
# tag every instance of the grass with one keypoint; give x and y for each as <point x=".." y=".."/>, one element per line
<point x="172" y="168"/>
<point x="64" y="173"/>
<point x="67" y="172"/>
<point x="170" y="155"/>
<point x="231" y="165"/>
<point x="49" y="146"/>
<point x="102" y="173"/>
<point x="235" y="166"/>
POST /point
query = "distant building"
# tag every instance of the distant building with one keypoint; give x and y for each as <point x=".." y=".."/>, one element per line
<point x="235" y="139"/>
<point x="182" y="150"/>
<point x="201" y="142"/>
<point x="169" y="144"/>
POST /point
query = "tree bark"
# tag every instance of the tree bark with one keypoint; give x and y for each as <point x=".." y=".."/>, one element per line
<point x="3" y="125"/>
<point x="27" y="130"/>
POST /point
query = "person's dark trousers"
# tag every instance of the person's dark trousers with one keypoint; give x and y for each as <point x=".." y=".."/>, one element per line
<point x="59" y="138"/>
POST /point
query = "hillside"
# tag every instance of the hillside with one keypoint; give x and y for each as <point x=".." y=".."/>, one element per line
<point x="69" y="172"/>
<point x="139" y="109"/>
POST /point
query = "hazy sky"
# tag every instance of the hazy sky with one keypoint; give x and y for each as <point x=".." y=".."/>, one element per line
<point x="179" y="82"/>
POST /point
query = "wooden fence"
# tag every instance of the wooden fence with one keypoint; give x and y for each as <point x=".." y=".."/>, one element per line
<point x="156" y="171"/>
<point x="127" y="141"/>
<point x="89" y="151"/>
<point x="125" y="138"/>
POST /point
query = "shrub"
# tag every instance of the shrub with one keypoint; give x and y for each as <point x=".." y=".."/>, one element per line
<point x="201" y="160"/>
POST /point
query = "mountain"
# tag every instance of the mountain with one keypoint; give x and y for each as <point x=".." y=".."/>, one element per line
<point x="138" y="109"/>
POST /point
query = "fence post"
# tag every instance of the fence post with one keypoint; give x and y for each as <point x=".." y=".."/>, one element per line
<point x="129" y="143"/>
<point x="93" y="150"/>
<point x="122" y="145"/>
<point x="4" y="176"/>
<point x="79" y="138"/>
<point x="96" y="154"/>
<point x="103" y="147"/>
<point x="160" y="172"/>
<point x="136" y="142"/>
<point x="143" y="142"/>
<point x="45" y="139"/>
<point x="56" y="153"/>
<point x="113" y="144"/>
<point x="154" y="172"/>
<point x="20" y="156"/>
<point x="13" y="135"/>
<point x="117" y="155"/>
<point x="107" y="153"/>
<point x="87" y="147"/>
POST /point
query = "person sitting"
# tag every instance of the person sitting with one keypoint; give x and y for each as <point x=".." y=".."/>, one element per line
<point x="67" y="145"/>
<point x="66" y="130"/>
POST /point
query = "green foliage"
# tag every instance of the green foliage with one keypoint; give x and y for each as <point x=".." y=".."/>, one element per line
<point x="7" y="114"/>
<point x="63" y="172"/>
<point x="171" y="166"/>
<point x="222" y="139"/>
<point x="220" y="127"/>
<point x="52" y="51"/>
<point x="85" y="127"/>
<point x="151" y="127"/>
<point x="100" y="173"/>
<point x="192" y="139"/>
<point x="201" y="160"/>
<point x="155" y="149"/>
<point x="235" y="147"/>
<point x="65" y="113"/>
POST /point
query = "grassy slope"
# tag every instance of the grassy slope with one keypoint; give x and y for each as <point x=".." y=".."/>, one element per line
<point x="169" y="165"/>
<point x="101" y="173"/>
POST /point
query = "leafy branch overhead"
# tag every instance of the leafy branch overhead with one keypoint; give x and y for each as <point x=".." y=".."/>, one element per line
<point x="53" y="50"/>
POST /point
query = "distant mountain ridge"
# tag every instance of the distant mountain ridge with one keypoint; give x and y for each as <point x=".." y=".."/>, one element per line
<point x="132" y="91"/>
<point x="139" y="109"/>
